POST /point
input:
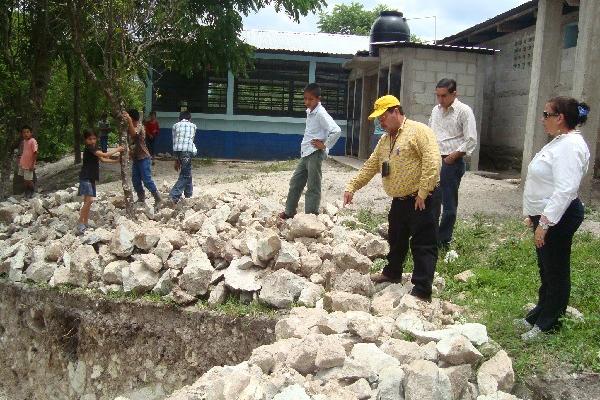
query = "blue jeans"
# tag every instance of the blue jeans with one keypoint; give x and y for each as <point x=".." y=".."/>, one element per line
<point x="184" y="182"/>
<point x="141" y="172"/>
<point x="450" y="177"/>
<point x="104" y="143"/>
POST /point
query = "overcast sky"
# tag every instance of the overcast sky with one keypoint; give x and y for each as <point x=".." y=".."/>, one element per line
<point x="452" y="16"/>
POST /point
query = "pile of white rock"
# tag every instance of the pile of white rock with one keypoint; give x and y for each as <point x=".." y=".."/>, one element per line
<point x="210" y="248"/>
<point x="405" y="349"/>
<point x="344" y="338"/>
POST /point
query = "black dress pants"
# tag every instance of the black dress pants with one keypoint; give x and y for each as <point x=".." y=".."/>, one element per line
<point x="417" y="230"/>
<point x="554" y="262"/>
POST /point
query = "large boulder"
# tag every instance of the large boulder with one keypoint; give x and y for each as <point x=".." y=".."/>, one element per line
<point x="239" y="279"/>
<point x="84" y="266"/>
<point x="373" y="246"/>
<point x="352" y="281"/>
<point x="311" y="293"/>
<point x="306" y="225"/>
<point x="496" y="374"/>
<point x="369" y="355"/>
<point x="193" y="223"/>
<point x="405" y="352"/>
<point x="288" y="258"/>
<point x="113" y="272"/>
<point x="457" y="350"/>
<point x="425" y="381"/>
<point x="281" y="288"/>
<point x="163" y="249"/>
<point x="197" y="274"/>
<point x="40" y="271"/>
<point x="151" y="261"/>
<point x="346" y="257"/>
<point x="267" y="246"/>
<point x="138" y="278"/>
<point x="147" y="238"/>
<point x="121" y="244"/>
<point x="390" y="383"/>
<point x="342" y="301"/>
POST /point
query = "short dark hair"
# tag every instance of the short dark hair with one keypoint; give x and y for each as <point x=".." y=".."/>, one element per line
<point x="152" y="113"/>
<point x="313" y="89"/>
<point x="185" y="115"/>
<point x="447" y="83"/>
<point x="134" y="114"/>
<point x="89" y="132"/>
<point x="399" y="108"/>
<point x="28" y="127"/>
<point x="575" y="112"/>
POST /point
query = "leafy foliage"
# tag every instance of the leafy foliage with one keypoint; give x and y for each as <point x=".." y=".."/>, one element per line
<point x="353" y="19"/>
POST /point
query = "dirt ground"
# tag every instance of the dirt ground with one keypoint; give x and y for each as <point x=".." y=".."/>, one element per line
<point x="478" y="195"/>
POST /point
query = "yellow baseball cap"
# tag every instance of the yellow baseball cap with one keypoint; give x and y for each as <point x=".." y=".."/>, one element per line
<point x="382" y="104"/>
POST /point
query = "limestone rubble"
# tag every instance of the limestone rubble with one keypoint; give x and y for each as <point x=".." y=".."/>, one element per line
<point x="353" y="340"/>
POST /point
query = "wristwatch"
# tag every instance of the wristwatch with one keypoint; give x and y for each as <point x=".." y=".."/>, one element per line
<point x="544" y="225"/>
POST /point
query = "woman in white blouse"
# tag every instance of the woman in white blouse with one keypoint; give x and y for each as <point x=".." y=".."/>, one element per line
<point x="553" y="209"/>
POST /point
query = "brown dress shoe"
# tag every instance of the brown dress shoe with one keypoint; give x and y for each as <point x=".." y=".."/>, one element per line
<point x="283" y="215"/>
<point x="379" y="277"/>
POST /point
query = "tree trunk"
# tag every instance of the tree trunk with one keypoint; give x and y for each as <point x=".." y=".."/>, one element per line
<point x="125" y="174"/>
<point x="76" y="114"/>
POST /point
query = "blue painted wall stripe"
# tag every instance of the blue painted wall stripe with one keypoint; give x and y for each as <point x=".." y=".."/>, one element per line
<point x="243" y="145"/>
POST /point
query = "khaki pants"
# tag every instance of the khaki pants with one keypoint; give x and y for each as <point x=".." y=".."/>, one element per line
<point x="308" y="173"/>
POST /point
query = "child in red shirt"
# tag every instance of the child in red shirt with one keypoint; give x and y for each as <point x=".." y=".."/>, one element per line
<point x="152" y="131"/>
<point x="28" y="159"/>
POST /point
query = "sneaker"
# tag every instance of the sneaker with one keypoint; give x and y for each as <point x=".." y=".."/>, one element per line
<point x="419" y="296"/>
<point x="379" y="277"/>
<point x="283" y="215"/>
<point x="532" y="334"/>
<point x="81" y="228"/>
<point x="522" y="323"/>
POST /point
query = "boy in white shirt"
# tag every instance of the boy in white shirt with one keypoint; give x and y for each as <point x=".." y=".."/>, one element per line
<point x="320" y="135"/>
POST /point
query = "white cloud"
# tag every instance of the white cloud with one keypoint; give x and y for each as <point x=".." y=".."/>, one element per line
<point x="451" y="16"/>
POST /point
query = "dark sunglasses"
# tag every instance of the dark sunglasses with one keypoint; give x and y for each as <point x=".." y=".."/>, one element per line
<point x="547" y="114"/>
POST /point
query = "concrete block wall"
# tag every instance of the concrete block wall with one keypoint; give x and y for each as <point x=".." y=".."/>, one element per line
<point x="423" y="68"/>
<point x="506" y="91"/>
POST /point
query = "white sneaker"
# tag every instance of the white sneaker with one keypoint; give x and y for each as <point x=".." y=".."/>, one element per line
<point x="522" y="323"/>
<point x="531" y="335"/>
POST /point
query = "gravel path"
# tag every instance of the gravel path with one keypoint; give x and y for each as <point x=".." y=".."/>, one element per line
<point x="478" y="195"/>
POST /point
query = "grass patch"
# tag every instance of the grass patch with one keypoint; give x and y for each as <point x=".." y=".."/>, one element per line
<point x="203" y="162"/>
<point x="501" y="253"/>
<point x="288" y="165"/>
<point x="233" y="178"/>
<point x="378" y="265"/>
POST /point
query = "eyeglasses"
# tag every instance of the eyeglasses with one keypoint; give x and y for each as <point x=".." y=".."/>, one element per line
<point x="547" y="114"/>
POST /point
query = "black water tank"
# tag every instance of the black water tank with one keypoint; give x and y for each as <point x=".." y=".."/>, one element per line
<point x="390" y="26"/>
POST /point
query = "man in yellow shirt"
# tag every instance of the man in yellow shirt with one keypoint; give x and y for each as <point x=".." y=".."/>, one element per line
<point x="409" y="160"/>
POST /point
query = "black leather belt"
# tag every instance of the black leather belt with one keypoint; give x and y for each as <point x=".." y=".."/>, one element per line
<point x="410" y="196"/>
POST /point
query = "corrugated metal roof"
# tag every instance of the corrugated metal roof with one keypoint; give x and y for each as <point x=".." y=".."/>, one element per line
<point x="306" y="42"/>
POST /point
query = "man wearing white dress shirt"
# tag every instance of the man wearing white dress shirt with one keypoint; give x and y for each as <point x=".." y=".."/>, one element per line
<point x="453" y="123"/>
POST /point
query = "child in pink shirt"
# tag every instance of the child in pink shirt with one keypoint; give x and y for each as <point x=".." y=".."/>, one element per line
<point x="28" y="159"/>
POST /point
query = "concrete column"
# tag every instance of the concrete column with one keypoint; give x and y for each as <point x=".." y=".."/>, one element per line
<point x="149" y="87"/>
<point x="366" y="127"/>
<point x="478" y="109"/>
<point x="586" y="81"/>
<point x="545" y="75"/>
<point x="312" y="71"/>
<point x="230" y="87"/>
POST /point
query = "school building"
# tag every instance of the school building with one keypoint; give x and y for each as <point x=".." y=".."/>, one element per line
<point x="260" y="116"/>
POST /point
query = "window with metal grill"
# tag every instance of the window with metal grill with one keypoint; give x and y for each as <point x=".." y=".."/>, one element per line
<point x="273" y="88"/>
<point x="333" y="80"/>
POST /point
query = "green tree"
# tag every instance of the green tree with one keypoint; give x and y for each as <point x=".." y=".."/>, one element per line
<point x="353" y="19"/>
<point x="114" y="39"/>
